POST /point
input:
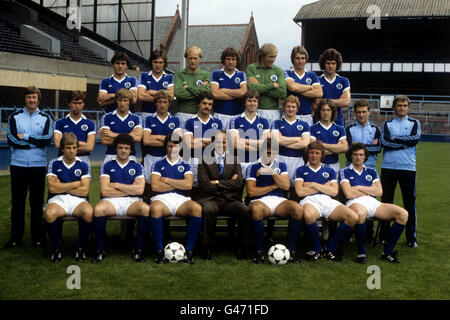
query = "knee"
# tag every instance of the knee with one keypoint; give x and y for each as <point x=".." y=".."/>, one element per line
<point x="143" y="209"/>
<point x="196" y="210"/>
<point x="256" y="211"/>
<point x="99" y="210"/>
<point x="352" y="218"/>
<point x="88" y="214"/>
<point x="155" y="211"/>
<point x="309" y="216"/>
<point x="50" y="215"/>
<point x="297" y="212"/>
<point x="361" y="217"/>
<point x="402" y="217"/>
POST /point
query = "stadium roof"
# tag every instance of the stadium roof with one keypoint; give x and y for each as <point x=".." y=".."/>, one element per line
<point x="344" y="9"/>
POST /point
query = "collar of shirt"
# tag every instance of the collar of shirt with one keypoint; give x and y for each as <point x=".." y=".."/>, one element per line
<point x="172" y="163"/>
<point x="220" y="158"/>
<point x="315" y="170"/>
<point x="353" y="168"/>
<point x="116" y="113"/>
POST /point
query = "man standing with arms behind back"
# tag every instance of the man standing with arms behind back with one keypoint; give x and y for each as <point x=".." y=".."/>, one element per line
<point x="399" y="138"/>
<point x="29" y="133"/>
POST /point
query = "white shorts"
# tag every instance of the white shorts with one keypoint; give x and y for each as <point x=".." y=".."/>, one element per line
<point x="66" y="201"/>
<point x="172" y="201"/>
<point x="110" y="157"/>
<point x="307" y="118"/>
<point x="121" y="204"/>
<point x="225" y="118"/>
<point x="323" y="203"/>
<point x="336" y="167"/>
<point x="271" y="201"/>
<point x="292" y="165"/>
<point x="270" y="115"/>
<point x="370" y="203"/>
<point x="149" y="160"/>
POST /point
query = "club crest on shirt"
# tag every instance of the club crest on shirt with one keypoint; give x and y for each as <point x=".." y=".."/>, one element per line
<point x="127" y="85"/>
<point x="180" y="168"/>
<point x="165" y="84"/>
<point x="237" y="80"/>
<point x="335" y="133"/>
<point x="274" y="78"/>
<point x="259" y="125"/>
<point x="339" y="86"/>
<point x="84" y="127"/>
<point x="214" y="126"/>
<point x="326" y="175"/>
<point x="131" y="124"/>
<point x="369" y="178"/>
<point x="308" y="80"/>
<point x="77" y="172"/>
<point x="171" y="125"/>
<point x="199" y="83"/>
<point x="277" y="170"/>
<point x="132" y="172"/>
<point x="299" y="127"/>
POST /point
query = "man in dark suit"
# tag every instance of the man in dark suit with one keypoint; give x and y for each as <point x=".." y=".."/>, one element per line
<point x="220" y="192"/>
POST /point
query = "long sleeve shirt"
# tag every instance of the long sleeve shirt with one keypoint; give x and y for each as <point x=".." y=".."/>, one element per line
<point x="187" y="98"/>
<point x="367" y="134"/>
<point x="399" y="139"/>
<point x="37" y="131"/>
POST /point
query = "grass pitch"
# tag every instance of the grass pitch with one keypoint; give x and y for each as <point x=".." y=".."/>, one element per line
<point x="423" y="274"/>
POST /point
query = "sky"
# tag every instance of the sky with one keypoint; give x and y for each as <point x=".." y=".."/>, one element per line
<point x="273" y="19"/>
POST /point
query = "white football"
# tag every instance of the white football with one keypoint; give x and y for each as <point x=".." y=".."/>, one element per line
<point x="174" y="252"/>
<point x="278" y="254"/>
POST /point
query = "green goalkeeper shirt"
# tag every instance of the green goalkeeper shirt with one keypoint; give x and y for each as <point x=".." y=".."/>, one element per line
<point x="266" y="78"/>
<point x="187" y="98"/>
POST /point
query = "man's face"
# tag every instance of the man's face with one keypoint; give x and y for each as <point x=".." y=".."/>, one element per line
<point x="173" y="149"/>
<point x="162" y="105"/>
<point x="314" y="156"/>
<point x="230" y="63"/>
<point x="123" y="151"/>
<point x="251" y="104"/>
<point x="299" y="61"/>
<point x="401" y="108"/>
<point x="269" y="59"/>
<point x="158" y="65"/>
<point x="290" y="109"/>
<point x="120" y="66"/>
<point x="325" y="113"/>
<point x="76" y="106"/>
<point x="32" y="101"/>
<point x="205" y="106"/>
<point x="220" y="143"/>
<point x="362" y="115"/>
<point x="70" y="151"/>
<point x="330" y="66"/>
<point x="123" y="105"/>
<point x="358" y="157"/>
<point x="193" y="60"/>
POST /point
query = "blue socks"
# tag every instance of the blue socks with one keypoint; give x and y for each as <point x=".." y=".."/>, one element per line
<point x="53" y="233"/>
<point x="84" y="228"/>
<point x="340" y="234"/>
<point x="295" y="230"/>
<point x="258" y="233"/>
<point x="195" y="224"/>
<point x="141" y="231"/>
<point x="100" y="229"/>
<point x="395" y="232"/>
<point x="360" y="235"/>
<point x="156" y="225"/>
<point x="313" y="230"/>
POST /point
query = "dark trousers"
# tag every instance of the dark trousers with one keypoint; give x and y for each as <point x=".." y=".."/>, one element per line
<point x="26" y="180"/>
<point x="235" y="209"/>
<point x="407" y="182"/>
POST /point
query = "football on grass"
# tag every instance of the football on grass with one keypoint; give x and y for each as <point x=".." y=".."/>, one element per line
<point x="174" y="252"/>
<point x="278" y="254"/>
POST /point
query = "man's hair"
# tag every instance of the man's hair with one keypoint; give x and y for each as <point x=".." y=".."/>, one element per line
<point x="77" y="95"/>
<point x="120" y="56"/>
<point x="68" y="138"/>
<point x="251" y="94"/>
<point x="230" y="52"/>
<point x="330" y="54"/>
<point x="162" y="94"/>
<point x="175" y="138"/>
<point x="298" y="49"/>
<point x="124" y="138"/>
<point x="354" y="147"/>
<point x="291" y="98"/>
<point x="32" y="90"/>
<point x="400" y="98"/>
<point x="330" y="103"/>
<point x="266" y="49"/>
<point x="361" y="103"/>
<point x="123" y="93"/>
<point x="204" y="95"/>
<point x="158" y="54"/>
<point x="315" y="145"/>
<point x="193" y="48"/>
